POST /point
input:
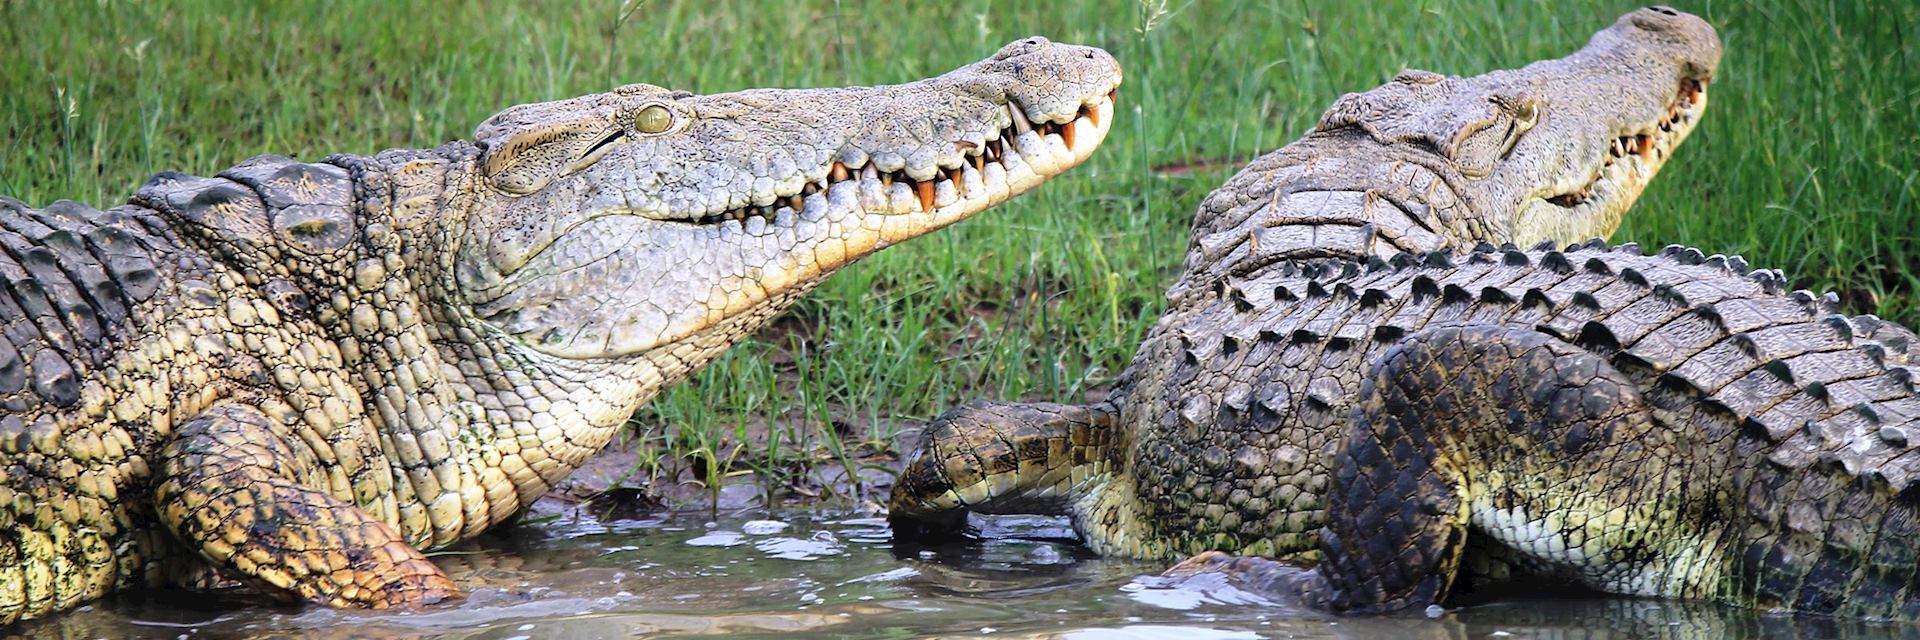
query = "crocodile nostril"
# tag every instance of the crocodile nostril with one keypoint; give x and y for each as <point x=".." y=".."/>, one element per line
<point x="1663" y="10"/>
<point x="1087" y="54"/>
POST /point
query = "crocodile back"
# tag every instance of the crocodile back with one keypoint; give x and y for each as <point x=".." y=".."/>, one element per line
<point x="75" y="277"/>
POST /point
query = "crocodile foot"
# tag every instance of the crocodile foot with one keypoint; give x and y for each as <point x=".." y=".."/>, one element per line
<point x="238" y="488"/>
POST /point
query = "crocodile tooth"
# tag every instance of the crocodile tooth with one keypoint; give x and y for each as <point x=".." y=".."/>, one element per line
<point x="1093" y="114"/>
<point x="1020" y="123"/>
<point x="925" y="191"/>
<point x="839" y="171"/>
<point x="1066" y="134"/>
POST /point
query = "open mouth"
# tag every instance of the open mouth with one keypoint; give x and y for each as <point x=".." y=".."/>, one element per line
<point x="1634" y="157"/>
<point x="1012" y="159"/>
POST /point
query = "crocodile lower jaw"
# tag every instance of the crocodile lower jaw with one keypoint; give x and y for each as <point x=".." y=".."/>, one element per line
<point x="1633" y="157"/>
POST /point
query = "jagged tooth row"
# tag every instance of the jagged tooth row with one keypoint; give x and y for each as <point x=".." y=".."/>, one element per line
<point x="1691" y="91"/>
<point x="978" y="155"/>
<point x="1644" y="144"/>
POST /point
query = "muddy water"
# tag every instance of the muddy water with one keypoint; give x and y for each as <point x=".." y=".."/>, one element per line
<point x="802" y="574"/>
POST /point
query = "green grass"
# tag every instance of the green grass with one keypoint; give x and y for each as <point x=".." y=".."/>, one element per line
<point x="1808" y="160"/>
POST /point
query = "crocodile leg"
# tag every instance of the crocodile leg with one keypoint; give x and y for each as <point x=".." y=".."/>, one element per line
<point x="996" y="457"/>
<point x="239" y="488"/>
<point x="1513" y="435"/>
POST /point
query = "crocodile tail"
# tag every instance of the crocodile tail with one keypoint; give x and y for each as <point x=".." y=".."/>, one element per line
<point x="990" y="457"/>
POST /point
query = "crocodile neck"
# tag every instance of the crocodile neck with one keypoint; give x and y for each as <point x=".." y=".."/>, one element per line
<point x="462" y="411"/>
<point x="480" y="404"/>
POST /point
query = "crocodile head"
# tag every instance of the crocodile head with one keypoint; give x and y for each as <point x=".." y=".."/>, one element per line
<point x="666" y="225"/>
<point x="1556" y="150"/>
<point x="1644" y="82"/>
<point x="1559" y="149"/>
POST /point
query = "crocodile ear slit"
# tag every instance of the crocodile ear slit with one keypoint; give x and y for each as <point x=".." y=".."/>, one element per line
<point x="596" y="152"/>
<point x="1525" y="112"/>
<point x="526" y="160"/>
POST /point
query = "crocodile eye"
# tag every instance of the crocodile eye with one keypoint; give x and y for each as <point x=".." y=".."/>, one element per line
<point x="652" y="119"/>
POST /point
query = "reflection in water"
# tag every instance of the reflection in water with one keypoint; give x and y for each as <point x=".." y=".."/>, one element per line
<point x="802" y="574"/>
<point x="1186" y="594"/>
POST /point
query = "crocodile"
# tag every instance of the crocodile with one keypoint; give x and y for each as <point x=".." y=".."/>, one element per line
<point x="300" y="375"/>
<point x="1423" y="163"/>
<point x="1674" y="425"/>
<point x="1339" y="381"/>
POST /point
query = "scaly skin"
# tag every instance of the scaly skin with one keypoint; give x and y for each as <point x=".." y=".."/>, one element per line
<point x="300" y="375"/>
<point x="1667" y="426"/>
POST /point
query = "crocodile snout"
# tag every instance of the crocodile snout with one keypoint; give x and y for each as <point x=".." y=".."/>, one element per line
<point x="1678" y="34"/>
